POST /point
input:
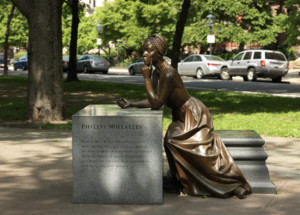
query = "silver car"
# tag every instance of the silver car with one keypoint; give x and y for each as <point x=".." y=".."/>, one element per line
<point x="92" y="63"/>
<point x="256" y="63"/>
<point x="200" y="66"/>
<point x="136" y="68"/>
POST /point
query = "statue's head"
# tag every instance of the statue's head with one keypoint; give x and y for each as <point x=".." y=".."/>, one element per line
<point x="155" y="47"/>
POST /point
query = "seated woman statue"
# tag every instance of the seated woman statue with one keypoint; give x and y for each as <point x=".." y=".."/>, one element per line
<point x="197" y="157"/>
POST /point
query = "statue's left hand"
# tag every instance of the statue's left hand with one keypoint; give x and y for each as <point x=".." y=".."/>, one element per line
<point x="147" y="70"/>
<point x="124" y="103"/>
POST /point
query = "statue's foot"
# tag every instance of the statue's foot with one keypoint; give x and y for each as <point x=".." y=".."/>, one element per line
<point x="240" y="192"/>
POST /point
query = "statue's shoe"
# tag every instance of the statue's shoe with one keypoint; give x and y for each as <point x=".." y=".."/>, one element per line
<point x="240" y="192"/>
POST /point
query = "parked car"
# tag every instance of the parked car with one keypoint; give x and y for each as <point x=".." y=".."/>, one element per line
<point x="65" y="61"/>
<point x="136" y="67"/>
<point x="2" y="61"/>
<point x="200" y="66"/>
<point x="91" y="63"/>
<point x="21" y="63"/>
<point x="256" y="63"/>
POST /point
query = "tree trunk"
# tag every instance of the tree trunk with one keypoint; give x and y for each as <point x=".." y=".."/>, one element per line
<point x="72" y="72"/>
<point x="45" y="73"/>
<point x="179" y="32"/>
<point x="281" y="36"/>
<point x="6" y="39"/>
<point x="241" y="47"/>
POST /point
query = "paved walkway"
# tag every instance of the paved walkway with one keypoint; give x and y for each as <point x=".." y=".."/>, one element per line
<point x="36" y="178"/>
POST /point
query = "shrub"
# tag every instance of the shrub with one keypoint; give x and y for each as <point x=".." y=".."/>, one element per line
<point x="18" y="55"/>
<point x="227" y="56"/>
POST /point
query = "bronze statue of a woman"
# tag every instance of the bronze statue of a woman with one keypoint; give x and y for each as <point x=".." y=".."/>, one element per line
<point x="197" y="157"/>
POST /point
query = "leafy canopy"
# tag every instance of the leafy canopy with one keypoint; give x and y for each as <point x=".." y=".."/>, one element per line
<point x="87" y="35"/>
<point x="239" y="21"/>
<point x="292" y="22"/>
<point x="18" y="34"/>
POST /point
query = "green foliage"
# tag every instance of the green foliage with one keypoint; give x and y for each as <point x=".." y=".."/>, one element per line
<point x="132" y="21"/>
<point x="87" y="35"/>
<point x="110" y="55"/>
<point x="289" y="52"/>
<point x="227" y="56"/>
<point x="18" y="35"/>
<point x="56" y="126"/>
<point x="19" y="54"/>
<point x="292" y="23"/>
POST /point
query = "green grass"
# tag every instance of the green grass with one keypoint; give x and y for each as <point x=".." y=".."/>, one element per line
<point x="268" y="115"/>
<point x="55" y="126"/>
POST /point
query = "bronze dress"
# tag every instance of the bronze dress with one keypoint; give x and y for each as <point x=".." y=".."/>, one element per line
<point x="197" y="157"/>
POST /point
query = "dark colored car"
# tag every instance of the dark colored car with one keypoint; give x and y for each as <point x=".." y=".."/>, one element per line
<point x="92" y="63"/>
<point x="65" y="63"/>
<point x="2" y="60"/>
<point x="21" y="63"/>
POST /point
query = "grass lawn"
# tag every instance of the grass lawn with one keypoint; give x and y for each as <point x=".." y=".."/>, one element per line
<point x="268" y="115"/>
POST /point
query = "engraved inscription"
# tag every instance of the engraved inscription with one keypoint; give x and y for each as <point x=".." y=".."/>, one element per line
<point x="98" y="153"/>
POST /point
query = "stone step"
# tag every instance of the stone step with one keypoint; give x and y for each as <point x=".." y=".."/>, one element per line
<point x="246" y="149"/>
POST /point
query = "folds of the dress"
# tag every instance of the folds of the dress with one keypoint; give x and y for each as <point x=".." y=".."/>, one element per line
<point x="197" y="157"/>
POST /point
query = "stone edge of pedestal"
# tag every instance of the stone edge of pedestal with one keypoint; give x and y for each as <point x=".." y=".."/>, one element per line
<point x="160" y="198"/>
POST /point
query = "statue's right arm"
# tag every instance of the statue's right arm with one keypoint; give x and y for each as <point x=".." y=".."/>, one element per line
<point x="124" y="103"/>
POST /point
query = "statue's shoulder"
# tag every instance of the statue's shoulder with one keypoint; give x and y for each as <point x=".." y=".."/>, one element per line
<point x="171" y="73"/>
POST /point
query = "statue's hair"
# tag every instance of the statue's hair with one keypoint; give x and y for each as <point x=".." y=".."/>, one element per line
<point x="159" y="42"/>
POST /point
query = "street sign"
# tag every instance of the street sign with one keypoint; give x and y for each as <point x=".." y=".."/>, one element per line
<point x="99" y="41"/>
<point x="211" y="38"/>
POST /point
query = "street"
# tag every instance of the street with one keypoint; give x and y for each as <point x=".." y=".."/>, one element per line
<point x="262" y="86"/>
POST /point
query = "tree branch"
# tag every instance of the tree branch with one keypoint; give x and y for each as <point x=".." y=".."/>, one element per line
<point x="24" y="6"/>
<point x="70" y="5"/>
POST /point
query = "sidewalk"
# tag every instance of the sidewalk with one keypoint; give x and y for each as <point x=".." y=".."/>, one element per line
<point x="36" y="178"/>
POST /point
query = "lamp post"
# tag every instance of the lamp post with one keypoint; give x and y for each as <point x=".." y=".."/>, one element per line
<point x="99" y="29"/>
<point x="211" y="20"/>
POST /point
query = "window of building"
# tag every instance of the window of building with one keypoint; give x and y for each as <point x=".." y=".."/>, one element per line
<point x="94" y="3"/>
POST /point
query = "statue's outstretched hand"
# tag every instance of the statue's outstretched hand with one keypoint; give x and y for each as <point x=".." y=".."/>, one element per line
<point x="147" y="70"/>
<point x="123" y="103"/>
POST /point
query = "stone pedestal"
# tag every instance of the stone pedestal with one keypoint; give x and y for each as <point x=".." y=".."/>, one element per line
<point x="117" y="156"/>
<point x="246" y="149"/>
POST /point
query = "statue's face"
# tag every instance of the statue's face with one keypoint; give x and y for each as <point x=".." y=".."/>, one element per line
<point x="150" y="52"/>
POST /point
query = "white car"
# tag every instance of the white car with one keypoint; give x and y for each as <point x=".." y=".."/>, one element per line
<point x="200" y="66"/>
<point x="251" y="64"/>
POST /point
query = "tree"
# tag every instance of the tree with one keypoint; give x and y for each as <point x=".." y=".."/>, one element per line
<point x="293" y="21"/>
<point x="241" y="21"/>
<point x="77" y="9"/>
<point x="72" y="72"/>
<point x="179" y="32"/>
<point x="13" y="28"/>
<point x="45" y="73"/>
<point x="6" y="38"/>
